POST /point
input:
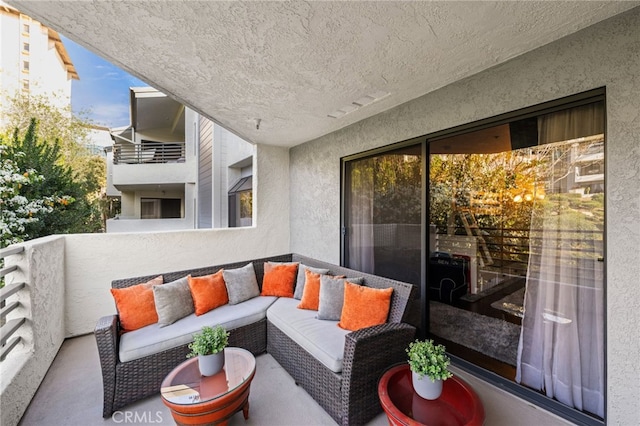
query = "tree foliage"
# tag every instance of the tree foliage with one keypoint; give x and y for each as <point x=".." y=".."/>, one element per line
<point x="16" y="210"/>
<point x="54" y="124"/>
<point x="69" y="200"/>
<point x="504" y="191"/>
<point x="389" y="184"/>
<point x="57" y="146"/>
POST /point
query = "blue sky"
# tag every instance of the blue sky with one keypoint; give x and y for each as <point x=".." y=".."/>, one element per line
<point x="103" y="89"/>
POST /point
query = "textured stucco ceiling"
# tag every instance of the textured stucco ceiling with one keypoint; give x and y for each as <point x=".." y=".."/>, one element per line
<point x="291" y="64"/>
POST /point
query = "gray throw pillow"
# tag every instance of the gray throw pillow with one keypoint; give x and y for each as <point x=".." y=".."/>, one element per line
<point x="241" y="284"/>
<point x="173" y="301"/>
<point x="299" y="291"/>
<point x="332" y="296"/>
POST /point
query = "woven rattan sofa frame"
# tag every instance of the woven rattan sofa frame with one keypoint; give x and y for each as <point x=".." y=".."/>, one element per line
<point x="350" y="397"/>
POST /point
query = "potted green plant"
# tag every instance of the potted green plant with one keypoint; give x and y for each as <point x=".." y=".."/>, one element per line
<point x="208" y="346"/>
<point x="429" y="367"/>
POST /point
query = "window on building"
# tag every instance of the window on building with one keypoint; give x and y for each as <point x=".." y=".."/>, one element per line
<point x="160" y="208"/>
<point x="25" y="47"/>
<point x="514" y="231"/>
<point x="25" y="65"/>
<point x="25" y="85"/>
<point x="26" y="28"/>
<point x="241" y="202"/>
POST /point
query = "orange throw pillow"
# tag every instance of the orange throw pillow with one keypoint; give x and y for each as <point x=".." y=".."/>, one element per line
<point x="364" y="306"/>
<point x="279" y="280"/>
<point x="311" y="293"/>
<point x="311" y="297"/>
<point x="208" y="292"/>
<point x="136" y="305"/>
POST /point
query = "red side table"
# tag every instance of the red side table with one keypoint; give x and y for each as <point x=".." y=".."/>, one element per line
<point x="458" y="404"/>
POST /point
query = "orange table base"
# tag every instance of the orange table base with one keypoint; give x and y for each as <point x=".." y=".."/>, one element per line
<point x="215" y="412"/>
<point x="458" y="405"/>
<point x="210" y="400"/>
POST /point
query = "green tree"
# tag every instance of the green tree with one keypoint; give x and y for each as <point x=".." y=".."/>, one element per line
<point x="70" y="132"/>
<point x="16" y="210"/>
<point x="397" y="190"/>
<point x="54" y="124"/>
<point x="71" y="210"/>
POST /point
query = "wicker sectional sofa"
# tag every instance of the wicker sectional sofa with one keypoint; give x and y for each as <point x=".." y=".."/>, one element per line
<point x="345" y="385"/>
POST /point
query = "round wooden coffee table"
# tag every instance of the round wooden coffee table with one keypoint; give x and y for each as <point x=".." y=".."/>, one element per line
<point x="458" y="404"/>
<point x="198" y="400"/>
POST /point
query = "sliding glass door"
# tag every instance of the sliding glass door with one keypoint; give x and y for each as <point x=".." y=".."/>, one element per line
<point x="516" y="278"/>
<point x="513" y="257"/>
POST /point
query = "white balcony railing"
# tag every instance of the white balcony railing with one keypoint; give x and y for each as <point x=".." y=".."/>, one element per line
<point x="9" y="327"/>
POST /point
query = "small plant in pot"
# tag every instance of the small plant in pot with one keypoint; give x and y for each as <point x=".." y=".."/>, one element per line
<point x="208" y="346"/>
<point x="429" y="367"/>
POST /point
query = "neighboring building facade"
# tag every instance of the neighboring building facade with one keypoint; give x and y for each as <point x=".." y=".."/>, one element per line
<point x="225" y="176"/>
<point x="33" y="60"/>
<point x="173" y="168"/>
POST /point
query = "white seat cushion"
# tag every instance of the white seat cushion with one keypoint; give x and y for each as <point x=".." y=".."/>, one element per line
<point x="153" y="338"/>
<point x="322" y="339"/>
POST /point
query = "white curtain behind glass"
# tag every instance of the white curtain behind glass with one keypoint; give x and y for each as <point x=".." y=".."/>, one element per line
<point x="360" y="232"/>
<point x="561" y="349"/>
<point x="561" y="344"/>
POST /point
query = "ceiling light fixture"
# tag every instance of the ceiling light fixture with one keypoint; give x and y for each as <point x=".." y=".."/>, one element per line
<point x="359" y="103"/>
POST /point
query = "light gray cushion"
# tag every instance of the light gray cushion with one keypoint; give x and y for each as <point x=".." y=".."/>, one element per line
<point x="299" y="291"/>
<point x="332" y="296"/>
<point x="241" y="284"/>
<point x="322" y="339"/>
<point x="173" y="301"/>
<point x="153" y="339"/>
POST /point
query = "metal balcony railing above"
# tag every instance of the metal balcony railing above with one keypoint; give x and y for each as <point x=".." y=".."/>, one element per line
<point x="8" y="328"/>
<point x="149" y="153"/>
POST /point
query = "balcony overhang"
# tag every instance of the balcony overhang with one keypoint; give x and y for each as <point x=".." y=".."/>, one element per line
<point x="284" y="73"/>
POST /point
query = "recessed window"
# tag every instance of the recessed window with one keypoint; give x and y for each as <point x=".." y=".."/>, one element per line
<point x="160" y="208"/>
<point x="241" y="202"/>
<point x="25" y="47"/>
<point x="25" y="65"/>
<point x="25" y="28"/>
<point x="25" y="84"/>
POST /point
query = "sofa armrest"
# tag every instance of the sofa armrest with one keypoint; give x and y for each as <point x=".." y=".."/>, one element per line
<point x="367" y="354"/>
<point x="107" y="334"/>
<point x="383" y="344"/>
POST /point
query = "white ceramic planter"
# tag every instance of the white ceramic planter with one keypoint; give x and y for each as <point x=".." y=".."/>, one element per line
<point x="211" y="364"/>
<point x="425" y="387"/>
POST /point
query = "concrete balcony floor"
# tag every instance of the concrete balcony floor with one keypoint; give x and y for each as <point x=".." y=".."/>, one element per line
<point x="71" y="395"/>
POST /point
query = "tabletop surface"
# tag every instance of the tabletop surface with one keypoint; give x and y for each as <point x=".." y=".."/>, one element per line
<point x="185" y="385"/>
<point x="458" y="404"/>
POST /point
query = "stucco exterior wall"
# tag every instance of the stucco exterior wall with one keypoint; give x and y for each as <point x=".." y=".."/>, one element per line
<point x="92" y="261"/>
<point x="41" y="267"/>
<point x="607" y="54"/>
